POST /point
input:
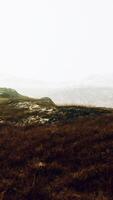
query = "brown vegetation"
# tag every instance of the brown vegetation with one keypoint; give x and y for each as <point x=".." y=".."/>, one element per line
<point x="60" y="161"/>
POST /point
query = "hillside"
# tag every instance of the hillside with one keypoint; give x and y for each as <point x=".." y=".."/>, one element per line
<point x="20" y="110"/>
<point x="64" y="152"/>
<point x="29" y="112"/>
<point x="9" y="93"/>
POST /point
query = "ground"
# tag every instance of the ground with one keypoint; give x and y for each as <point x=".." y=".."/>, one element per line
<point x="69" y="156"/>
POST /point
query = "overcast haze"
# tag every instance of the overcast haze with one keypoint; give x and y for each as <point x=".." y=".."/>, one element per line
<point x="55" y="41"/>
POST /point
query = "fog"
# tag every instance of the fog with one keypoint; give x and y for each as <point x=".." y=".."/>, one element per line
<point x="55" y="43"/>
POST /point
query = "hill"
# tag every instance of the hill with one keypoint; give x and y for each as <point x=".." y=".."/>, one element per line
<point x="20" y="110"/>
<point x="9" y="93"/>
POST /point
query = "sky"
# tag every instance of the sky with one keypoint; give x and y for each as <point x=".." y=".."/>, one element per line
<point x="55" y="40"/>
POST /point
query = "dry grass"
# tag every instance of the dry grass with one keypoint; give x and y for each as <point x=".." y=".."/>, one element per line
<point x="59" y="161"/>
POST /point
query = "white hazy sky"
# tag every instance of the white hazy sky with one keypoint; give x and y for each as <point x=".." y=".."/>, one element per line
<point x="56" y="40"/>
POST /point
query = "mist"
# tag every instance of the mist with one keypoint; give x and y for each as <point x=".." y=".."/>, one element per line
<point x="49" y="41"/>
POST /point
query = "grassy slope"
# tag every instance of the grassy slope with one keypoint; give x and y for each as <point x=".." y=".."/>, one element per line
<point x="66" y="160"/>
<point x="10" y="113"/>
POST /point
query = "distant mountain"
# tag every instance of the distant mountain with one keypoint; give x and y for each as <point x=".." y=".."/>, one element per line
<point x="95" y="90"/>
<point x="90" y="96"/>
